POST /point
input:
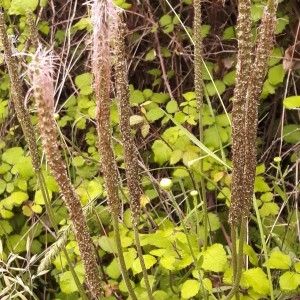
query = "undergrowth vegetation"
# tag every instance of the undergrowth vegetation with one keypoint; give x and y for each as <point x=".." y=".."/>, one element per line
<point x="130" y="166"/>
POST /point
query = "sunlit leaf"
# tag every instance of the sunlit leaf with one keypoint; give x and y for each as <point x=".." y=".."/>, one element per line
<point x="279" y="260"/>
<point x="292" y="102"/>
<point x="214" y="258"/>
<point x="190" y="288"/>
<point x="289" y="281"/>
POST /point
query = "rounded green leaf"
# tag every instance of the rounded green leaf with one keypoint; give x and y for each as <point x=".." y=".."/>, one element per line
<point x="289" y="281"/>
<point x="292" y="102"/>
<point x="2" y="186"/>
<point x="214" y="258"/>
<point x="257" y="280"/>
<point x="165" y="20"/>
<point x="149" y="262"/>
<point x="19" y="7"/>
<point x="291" y="133"/>
<point x="113" y="270"/>
<point x="216" y="87"/>
<point x="24" y="167"/>
<point x="5" y="228"/>
<point x="276" y="74"/>
<point x="269" y="209"/>
<point x="154" y="114"/>
<point x="190" y="288"/>
<point x="162" y="152"/>
<point x="279" y="260"/>
<point x="12" y="155"/>
<point x="172" y="107"/>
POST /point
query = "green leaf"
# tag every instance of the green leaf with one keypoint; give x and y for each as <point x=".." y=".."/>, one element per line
<point x="168" y="28"/>
<point x="2" y="186"/>
<point x="16" y="243"/>
<point x="4" y="168"/>
<point x="275" y="57"/>
<point x="154" y="72"/>
<point x="214" y="258"/>
<point x="197" y="142"/>
<point x="190" y="288"/>
<point x="6" y="214"/>
<point x="165" y="20"/>
<point x="229" y="78"/>
<point x="150" y="55"/>
<point x="215" y="87"/>
<point x="107" y="244"/>
<point x="21" y="184"/>
<point x="260" y="185"/>
<point x="276" y="74"/>
<point x="162" y="152"/>
<point x="172" y="106"/>
<point x="269" y="209"/>
<point x="12" y="155"/>
<point x="167" y="261"/>
<point x="257" y="279"/>
<point x="130" y="257"/>
<point x="37" y="208"/>
<point x="137" y="97"/>
<point x="260" y="169"/>
<point x="292" y="102"/>
<point x="147" y="93"/>
<point x="291" y="133"/>
<point x="229" y="33"/>
<point x="149" y="262"/>
<point x="67" y="282"/>
<point x="19" y="7"/>
<point x="84" y="83"/>
<point x="78" y="161"/>
<point x="207" y="284"/>
<point x="113" y="270"/>
<point x="223" y="120"/>
<point x="248" y="250"/>
<point x="5" y="228"/>
<point x="213" y="136"/>
<point x="267" y="197"/>
<point x="160" y="98"/>
<point x="256" y="12"/>
<point x="189" y="96"/>
<point x="24" y="167"/>
<point x="175" y="158"/>
<point x="289" y="281"/>
<point x="15" y="199"/>
<point x="181" y="173"/>
<point x="279" y="260"/>
<point x="154" y="114"/>
<point x="205" y="30"/>
<point x="281" y="24"/>
<point x="83" y="23"/>
<point x="297" y="267"/>
<point x="213" y="221"/>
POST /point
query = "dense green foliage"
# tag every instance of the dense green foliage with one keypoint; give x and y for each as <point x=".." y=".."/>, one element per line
<point x="165" y="123"/>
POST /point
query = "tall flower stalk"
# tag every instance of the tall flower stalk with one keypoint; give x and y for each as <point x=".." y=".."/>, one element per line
<point x="249" y="83"/>
<point x="17" y="95"/>
<point x="130" y="151"/>
<point x="105" y="21"/>
<point x="40" y="73"/>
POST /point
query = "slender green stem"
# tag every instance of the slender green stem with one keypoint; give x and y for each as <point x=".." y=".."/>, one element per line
<point x="239" y="261"/>
<point x="142" y="262"/>
<point x="121" y="258"/>
<point x="263" y="242"/>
